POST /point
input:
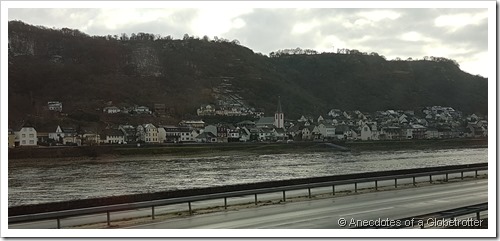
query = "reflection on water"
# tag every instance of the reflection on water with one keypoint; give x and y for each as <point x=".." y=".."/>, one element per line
<point x="60" y="182"/>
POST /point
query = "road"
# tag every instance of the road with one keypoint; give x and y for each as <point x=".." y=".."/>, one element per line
<point x="183" y="208"/>
<point x="325" y="213"/>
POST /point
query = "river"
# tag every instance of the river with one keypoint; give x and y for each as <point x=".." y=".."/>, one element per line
<point x="63" y="181"/>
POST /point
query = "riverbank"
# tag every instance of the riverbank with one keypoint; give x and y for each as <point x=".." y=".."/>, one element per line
<point x="183" y="150"/>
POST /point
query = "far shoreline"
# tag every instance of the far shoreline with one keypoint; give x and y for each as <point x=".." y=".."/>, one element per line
<point x="105" y="153"/>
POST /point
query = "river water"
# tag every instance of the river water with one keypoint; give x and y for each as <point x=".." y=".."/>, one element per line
<point x="50" y="182"/>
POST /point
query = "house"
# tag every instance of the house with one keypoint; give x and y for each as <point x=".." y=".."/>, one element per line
<point x="233" y="135"/>
<point x="320" y="119"/>
<point x="222" y="133"/>
<point x="113" y="136"/>
<point x="306" y="133"/>
<point x="175" y="134"/>
<point x="142" y="110"/>
<point x="206" y="110"/>
<point x="57" y="135"/>
<point x="327" y="131"/>
<point x="390" y="133"/>
<point x="280" y="134"/>
<point x="27" y="136"/>
<point x="151" y="133"/>
<point x="418" y="131"/>
<point x="111" y="110"/>
<point x="129" y="133"/>
<point x="369" y="132"/>
<point x="431" y="133"/>
<point x="55" y="106"/>
<point x="265" y="134"/>
<point x="206" y="137"/>
<point x="89" y="136"/>
<point x="192" y="123"/>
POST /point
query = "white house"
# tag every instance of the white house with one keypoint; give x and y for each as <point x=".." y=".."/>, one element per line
<point x="55" y="106"/>
<point x="111" y="110"/>
<point x="326" y="130"/>
<point x="27" y="136"/>
<point x="369" y="132"/>
<point x="151" y="133"/>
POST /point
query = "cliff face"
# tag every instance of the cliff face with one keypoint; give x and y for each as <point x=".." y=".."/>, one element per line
<point x="86" y="71"/>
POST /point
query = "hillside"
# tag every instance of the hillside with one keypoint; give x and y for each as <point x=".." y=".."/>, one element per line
<point x="87" y="73"/>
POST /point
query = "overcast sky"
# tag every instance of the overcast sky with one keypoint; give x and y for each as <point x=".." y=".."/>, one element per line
<point x="457" y="33"/>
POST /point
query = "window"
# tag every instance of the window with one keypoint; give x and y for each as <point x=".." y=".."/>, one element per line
<point x="32" y="135"/>
<point x="24" y="135"/>
<point x="24" y="141"/>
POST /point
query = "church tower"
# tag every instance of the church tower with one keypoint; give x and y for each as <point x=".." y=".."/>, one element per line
<point x="279" y="117"/>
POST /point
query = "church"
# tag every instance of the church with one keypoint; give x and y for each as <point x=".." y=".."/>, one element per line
<point x="278" y="121"/>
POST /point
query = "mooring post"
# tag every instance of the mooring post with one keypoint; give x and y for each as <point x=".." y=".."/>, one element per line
<point x="462" y="175"/>
<point x="284" y="196"/>
<point x="109" y="218"/>
<point x="152" y="212"/>
<point x="446" y="177"/>
<point x="225" y="202"/>
<point x="478" y="216"/>
<point x="256" y="199"/>
<point x="355" y="187"/>
<point x="333" y="189"/>
<point x="430" y="178"/>
<point x="475" y="175"/>
<point x="414" y="181"/>
<point x="58" y="223"/>
<point x="309" y="189"/>
<point x="376" y="185"/>
<point x="190" y="210"/>
<point x="395" y="183"/>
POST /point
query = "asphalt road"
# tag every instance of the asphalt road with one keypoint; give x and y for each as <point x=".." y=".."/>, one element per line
<point x="183" y="208"/>
<point x="326" y="213"/>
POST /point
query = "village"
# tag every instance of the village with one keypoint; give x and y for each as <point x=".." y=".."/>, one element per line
<point x="434" y="122"/>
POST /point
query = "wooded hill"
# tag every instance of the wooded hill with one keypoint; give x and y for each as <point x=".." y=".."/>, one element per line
<point x="85" y="72"/>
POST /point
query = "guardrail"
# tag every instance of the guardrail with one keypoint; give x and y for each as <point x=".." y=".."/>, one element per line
<point x="422" y="220"/>
<point x="58" y="215"/>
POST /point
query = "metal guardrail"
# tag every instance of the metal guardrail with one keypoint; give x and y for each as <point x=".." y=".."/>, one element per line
<point x="413" y="221"/>
<point x="58" y="215"/>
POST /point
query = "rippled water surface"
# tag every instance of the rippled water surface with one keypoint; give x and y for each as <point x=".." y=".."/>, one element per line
<point x="87" y="179"/>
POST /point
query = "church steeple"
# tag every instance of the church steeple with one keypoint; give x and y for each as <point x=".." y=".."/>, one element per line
<point x="279" y="117"/>
<point x="279" y="105"/>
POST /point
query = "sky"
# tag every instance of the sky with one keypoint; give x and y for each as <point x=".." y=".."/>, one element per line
<point x="455" y="33"/>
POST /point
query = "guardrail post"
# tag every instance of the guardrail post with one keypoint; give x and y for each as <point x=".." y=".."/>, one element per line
<point x="284" y="196"/>
<point x="462" y="175"/>
<point x="395" y="183"/>
<point x="190" y="210"/>
<point x="446" y="177"/>
<point x="333" y="189"/>
<point x="355" y="187"/>
<point x="414" y="182"/>
<point x="225" y="202"/>
<point x="256" y="199"/>
<point x="309" y="190"/>
<point x="152" y="212"/>
<point x="430" y="178"/>
<point x="109" y="218"/>
<point x="58" y="223"/>
<point x="376" y="185"/>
